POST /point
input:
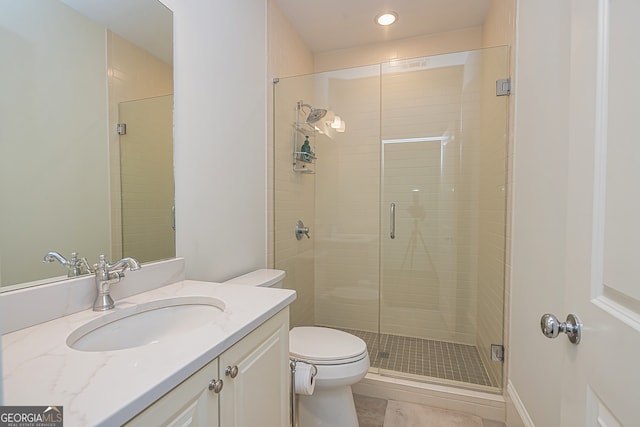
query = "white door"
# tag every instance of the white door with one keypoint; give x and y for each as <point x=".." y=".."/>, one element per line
<point x="602" y="372"/>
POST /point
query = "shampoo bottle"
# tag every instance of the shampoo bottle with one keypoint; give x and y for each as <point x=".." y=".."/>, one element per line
<point x="306" y="149"/>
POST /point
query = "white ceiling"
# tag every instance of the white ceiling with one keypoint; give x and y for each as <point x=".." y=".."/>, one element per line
<point x="327" y="25"/>
<point x="324" y="25"/>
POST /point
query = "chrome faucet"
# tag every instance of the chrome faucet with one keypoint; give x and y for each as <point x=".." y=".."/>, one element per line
<point x="75" y="266"/>
<point x="107" y="275"/>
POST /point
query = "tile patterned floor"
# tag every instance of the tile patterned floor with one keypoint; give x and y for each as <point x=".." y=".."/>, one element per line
<point x="374" y="412"/>
<point x="437" y="359"/>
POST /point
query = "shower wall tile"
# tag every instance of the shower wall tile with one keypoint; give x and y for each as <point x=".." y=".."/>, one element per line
<point x="347" y="201"/>
<point x="294" y="199"/>
<point x="288" y="56"/>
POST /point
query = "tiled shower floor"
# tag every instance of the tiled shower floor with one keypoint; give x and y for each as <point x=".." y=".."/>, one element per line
<point x="438" y="359"/>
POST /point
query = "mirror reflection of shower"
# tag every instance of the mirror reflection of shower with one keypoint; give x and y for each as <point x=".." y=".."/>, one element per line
<point x="418" y="213"/>
<point x="417" y="249"/>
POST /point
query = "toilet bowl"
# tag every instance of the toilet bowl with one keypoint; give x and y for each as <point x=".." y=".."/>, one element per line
<point x="341" y="360"/>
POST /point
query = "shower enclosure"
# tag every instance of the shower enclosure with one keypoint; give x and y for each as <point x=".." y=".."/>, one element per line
<point x="405" y="201"/>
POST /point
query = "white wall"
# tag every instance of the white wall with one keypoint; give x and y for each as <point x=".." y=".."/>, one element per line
<point x="220" y="86"/>
<point x="539" y="203"/>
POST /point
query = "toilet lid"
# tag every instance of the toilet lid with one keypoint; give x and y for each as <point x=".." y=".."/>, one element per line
<point x="325" y="345"/>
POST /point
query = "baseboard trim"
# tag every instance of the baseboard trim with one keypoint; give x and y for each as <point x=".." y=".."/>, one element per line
<point x="485" y="405"/>
<point x="515" y="407"/>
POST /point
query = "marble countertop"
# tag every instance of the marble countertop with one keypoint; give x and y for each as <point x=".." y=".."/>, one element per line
<point x="108" y="388"/>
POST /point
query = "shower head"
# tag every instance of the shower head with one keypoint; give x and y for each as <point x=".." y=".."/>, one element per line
<point x="315" y="114"/>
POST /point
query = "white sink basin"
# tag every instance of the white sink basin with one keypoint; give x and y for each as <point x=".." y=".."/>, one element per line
<point x="146" y="323"/>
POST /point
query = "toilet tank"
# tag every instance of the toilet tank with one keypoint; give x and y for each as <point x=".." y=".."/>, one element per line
<point x="264" y="277"/>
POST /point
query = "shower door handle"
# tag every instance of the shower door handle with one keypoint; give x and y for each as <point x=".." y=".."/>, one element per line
<point x="392" y="220"/>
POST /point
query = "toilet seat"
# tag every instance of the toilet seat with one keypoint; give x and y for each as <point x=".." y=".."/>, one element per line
<point x="325" y="346"/>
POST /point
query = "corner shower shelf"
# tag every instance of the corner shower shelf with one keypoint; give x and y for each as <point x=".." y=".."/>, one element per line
<point x="303" y="169"/>
<point x="301" y="159"/>
<point x="304" y="128"/>
<point x="304" y="156"/>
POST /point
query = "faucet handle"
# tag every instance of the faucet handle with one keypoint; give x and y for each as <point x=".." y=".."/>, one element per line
<point x="78" y="266"/>
<point x="84" y="265"/>
<point x="101" y="264"/>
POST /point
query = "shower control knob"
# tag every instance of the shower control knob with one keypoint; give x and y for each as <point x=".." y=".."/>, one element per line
<point x="551" y="327"/>
<point x="300" y="230"/>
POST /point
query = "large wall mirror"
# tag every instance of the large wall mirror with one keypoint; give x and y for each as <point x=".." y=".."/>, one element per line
<point x="70" y="182"/>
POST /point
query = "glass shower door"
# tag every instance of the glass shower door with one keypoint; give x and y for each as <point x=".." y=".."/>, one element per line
<point x="443" y="145"/>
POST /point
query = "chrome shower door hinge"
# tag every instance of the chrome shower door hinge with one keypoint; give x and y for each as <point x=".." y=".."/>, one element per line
<point x="503" y="87"/>
<point x="121" y="128"/>
<point x="497" y="352"/>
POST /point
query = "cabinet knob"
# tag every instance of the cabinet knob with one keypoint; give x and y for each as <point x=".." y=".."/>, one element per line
<point x="231" y="371"/>
<point x="216" y="385"/>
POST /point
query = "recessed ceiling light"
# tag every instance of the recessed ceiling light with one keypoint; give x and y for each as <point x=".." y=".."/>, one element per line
<point x="386" y="18"/>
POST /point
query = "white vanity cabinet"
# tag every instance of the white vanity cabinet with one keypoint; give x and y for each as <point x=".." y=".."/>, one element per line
<point x="255" y="385"/>
<point x="189" y="404"/>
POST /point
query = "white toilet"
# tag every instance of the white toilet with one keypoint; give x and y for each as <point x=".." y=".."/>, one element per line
<point x="341" y="359"/>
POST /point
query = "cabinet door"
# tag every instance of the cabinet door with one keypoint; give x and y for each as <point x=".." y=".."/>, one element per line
<point x="258" y="395"/>
<point x="189" y="404"/>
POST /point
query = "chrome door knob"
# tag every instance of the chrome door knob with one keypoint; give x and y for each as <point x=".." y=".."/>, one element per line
<point x="551" y="327"/>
